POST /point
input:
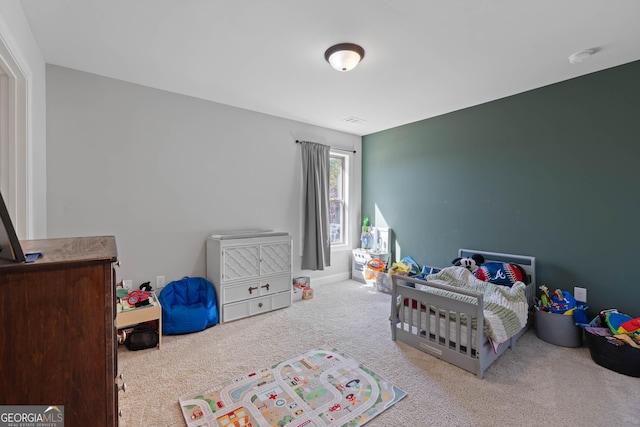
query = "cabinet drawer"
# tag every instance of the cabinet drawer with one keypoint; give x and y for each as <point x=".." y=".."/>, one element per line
<point x="255" y="306"/>
<point x="281" y="300"/>
<point x="246" y="308"/>
<point x="235" y="311"/>
<point x="254" y="289"/>
<point x="246" y="290"/>
<point x="275" y="285"/>
<point x="260" y="305"/>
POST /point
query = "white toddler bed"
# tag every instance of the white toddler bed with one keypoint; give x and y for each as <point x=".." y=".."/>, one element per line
<point x="445" y="312"/>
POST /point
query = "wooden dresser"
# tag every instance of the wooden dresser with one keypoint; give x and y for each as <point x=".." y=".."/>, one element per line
<point x="57" y="329"/>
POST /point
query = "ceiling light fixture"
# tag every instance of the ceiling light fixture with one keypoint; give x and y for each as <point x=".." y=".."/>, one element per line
<point x="344" y="56"/>
<point x="582" y="56"/>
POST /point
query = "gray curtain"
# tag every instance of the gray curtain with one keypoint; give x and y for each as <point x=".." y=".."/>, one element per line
<point x="316" y="250"/>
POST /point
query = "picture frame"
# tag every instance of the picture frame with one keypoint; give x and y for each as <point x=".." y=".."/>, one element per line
<point x="10" y="248"/>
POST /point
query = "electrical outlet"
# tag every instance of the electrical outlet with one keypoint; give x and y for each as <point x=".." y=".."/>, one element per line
<point x="580" y="294"/>
<point x="159" y="281"/>
<point x="127" y="284"/>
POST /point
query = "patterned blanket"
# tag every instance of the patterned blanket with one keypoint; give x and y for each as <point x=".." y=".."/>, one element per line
<point x="505" y="308"/>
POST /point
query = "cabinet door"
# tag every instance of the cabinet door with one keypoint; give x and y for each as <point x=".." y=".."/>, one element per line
<point x="275" y="258"/>
<point x="240" y="262"/>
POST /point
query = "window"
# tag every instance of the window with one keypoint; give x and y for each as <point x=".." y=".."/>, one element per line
<point x="338" y="168"/>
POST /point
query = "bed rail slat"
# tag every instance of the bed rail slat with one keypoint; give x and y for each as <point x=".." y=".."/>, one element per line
<point x="429" y="336"/>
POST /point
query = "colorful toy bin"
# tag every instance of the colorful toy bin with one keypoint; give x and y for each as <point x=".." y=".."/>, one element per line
<point x="300" y="285"/>
<point x="623" y="359"/>
<point x="383" y="282"/>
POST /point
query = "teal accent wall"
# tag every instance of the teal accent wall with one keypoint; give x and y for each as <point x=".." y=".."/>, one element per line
<point x="553" y="173"/>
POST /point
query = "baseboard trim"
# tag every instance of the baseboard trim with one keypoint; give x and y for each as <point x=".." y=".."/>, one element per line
<point x="330" y="279"/>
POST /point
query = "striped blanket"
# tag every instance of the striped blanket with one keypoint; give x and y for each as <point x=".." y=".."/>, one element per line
<point x="505" y="309"/>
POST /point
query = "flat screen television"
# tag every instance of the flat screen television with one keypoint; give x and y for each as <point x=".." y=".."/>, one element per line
<point x="10" y="248"/>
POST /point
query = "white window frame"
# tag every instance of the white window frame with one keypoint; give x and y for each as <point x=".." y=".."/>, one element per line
<point x="346" y="158"/>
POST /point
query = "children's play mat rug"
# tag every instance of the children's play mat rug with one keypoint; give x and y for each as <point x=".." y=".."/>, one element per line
<point x="322" y="387"/>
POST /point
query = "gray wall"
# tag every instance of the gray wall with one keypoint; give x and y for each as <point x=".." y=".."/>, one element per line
<point x="551" y="173"/>
<point x="161" y="171"/>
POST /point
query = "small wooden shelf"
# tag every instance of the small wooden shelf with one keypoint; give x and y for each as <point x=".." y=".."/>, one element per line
<point x="131" y="317"/>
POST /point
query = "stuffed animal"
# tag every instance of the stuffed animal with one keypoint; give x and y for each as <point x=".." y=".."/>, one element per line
<point x="470" y="264"/>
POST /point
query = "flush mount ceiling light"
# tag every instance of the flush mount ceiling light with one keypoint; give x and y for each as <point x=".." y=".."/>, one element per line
<point x="582" y="56"/>
<point x="344" y="56"/>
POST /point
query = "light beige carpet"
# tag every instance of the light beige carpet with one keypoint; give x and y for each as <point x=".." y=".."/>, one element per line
<point x="534" y="384"/>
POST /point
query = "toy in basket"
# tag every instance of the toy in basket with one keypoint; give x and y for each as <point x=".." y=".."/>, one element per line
<point x="375" y="274"/>
<point x="614" y="342"/>
<point x="558" y="318"/>
<point x="383" y="282"/>
<point x="406" y="267"/>
<point x="302" y="288"/>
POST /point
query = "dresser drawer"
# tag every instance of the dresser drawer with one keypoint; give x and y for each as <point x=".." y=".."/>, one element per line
<point x="235" y="311"/>
<point x="275" y="285"/>
<point x="255" y="306"/>
<point x="241" y="292"/>
<point x="255" y="289"/>
<point x="281" y="300"/>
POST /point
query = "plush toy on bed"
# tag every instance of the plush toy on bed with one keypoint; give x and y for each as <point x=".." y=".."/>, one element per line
<point x="470" y="264"/>
<point x="498" y="273"/>
<point x="501" y="273"/>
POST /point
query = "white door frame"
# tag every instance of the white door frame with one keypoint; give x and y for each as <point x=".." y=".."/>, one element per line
<point x="15" y="140"/>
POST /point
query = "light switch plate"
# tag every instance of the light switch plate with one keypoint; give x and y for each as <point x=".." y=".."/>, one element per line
<point x="580" y="294"/>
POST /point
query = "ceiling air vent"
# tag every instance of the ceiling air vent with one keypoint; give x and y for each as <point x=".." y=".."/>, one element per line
<point x="354" y="120"/>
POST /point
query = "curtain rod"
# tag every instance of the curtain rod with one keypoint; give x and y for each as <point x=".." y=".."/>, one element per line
<point x="333" y="148"/>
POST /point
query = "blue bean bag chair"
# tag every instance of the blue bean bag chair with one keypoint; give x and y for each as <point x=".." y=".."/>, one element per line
<point x="188" y="305"/>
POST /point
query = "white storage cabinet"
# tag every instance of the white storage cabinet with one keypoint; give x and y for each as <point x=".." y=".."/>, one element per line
<point x="251" y="272"/>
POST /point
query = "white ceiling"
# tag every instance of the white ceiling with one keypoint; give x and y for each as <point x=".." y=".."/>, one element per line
<point x="423" y="58"/>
